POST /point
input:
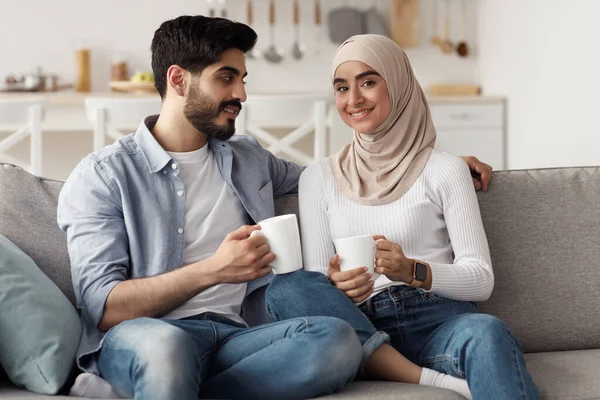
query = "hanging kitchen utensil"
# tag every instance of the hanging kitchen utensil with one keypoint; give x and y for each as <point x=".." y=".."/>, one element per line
<point x="436" y="40"/>
<point x="345" y="22"/>
<point x="447" y="46"/>
<point x="272" y="54"/>
<point x="223" y="8"/>
<point x="462" y="48"/>
<point x="319" y="34"/>
<point x="404" y="22"/>
<point x="297" y="48"/>
<point x="211" y="10"/>
<point x="373" y="21"/>
<point x="254" y="53"/>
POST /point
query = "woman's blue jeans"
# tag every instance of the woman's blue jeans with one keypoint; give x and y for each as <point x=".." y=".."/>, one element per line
<point x="434" y="332"/>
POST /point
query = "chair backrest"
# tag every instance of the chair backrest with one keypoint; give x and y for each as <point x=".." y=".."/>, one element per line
<point x="304" y="113"/>
<point x="23" y="116"/>
<point x="281" y="111"/>
<point x="110" y="115"/>
<point x="122" y="113"/>
<point x="16" y="113"/>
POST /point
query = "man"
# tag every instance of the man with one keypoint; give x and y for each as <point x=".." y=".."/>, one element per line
<point x="158" y="228"/>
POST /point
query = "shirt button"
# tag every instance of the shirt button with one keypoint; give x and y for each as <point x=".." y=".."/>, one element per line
<point x="180" y="193"/>
<point x="174" y="166"/>
<point x="180" y="230"/>
<point x="164" y="171"/>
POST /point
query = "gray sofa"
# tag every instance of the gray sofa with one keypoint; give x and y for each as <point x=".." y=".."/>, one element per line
<point x="543" y="228"/>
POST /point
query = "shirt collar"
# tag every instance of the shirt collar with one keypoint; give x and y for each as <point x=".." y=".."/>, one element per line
<point x="156" y="157"/>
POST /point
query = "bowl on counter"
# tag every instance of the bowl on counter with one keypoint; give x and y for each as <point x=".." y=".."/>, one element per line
<point x="133" y="87"/>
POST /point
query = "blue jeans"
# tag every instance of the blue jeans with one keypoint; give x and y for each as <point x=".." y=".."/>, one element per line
<point x="149" y="358"/>
<point x="310" y="294"/>
<point x="451" y="337"/>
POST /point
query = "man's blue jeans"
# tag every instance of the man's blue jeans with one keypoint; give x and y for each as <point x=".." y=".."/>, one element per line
<point x="310" y="294"/>
<point x="149" y="358"/>
<point x="434" y="332"/>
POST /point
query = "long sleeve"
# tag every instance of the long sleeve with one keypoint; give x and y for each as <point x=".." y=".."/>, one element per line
<point x="284" y="174"/>
<point x="89" y="212"/>
<point x="470" y="277"/>
<point x="317" y="245"/>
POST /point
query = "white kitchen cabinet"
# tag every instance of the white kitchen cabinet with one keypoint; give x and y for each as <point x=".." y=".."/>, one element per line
<point x="466" y="126"/>
<point x="472" y="129"/>
<point x="487" y="144"/>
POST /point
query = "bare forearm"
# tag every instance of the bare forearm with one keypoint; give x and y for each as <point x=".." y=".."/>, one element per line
<point x="158" y="295"/>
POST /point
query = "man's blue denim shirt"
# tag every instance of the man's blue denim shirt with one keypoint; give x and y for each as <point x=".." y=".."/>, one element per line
<point x="124" y="219"/>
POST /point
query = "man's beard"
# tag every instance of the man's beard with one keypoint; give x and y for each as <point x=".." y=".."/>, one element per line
<point x="202" y="112"/>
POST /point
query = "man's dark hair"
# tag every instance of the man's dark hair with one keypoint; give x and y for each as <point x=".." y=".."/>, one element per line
<point x="194" y="43"/>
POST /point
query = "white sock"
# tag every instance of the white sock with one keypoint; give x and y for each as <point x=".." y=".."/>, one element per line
<point x="430" y="377"/>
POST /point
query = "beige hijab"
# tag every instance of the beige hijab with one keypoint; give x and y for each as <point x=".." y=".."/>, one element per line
<point x="380" y="167"/>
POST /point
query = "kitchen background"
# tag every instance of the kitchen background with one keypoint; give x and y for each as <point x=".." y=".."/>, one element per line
<point x="540" y="56"/>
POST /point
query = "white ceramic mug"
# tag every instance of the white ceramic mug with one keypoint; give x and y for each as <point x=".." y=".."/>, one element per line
<point x="357" y="251"/>
<point x="284" y="239"/>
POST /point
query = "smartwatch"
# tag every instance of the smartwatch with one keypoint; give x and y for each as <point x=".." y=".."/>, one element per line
<point x="419" y="274"/>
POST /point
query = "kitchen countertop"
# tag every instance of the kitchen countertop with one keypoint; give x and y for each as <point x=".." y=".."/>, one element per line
<point x="65" y="110"/>
<point x="70" y="98"/>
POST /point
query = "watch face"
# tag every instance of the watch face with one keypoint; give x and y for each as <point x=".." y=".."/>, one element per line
<point x="420" y="272"/>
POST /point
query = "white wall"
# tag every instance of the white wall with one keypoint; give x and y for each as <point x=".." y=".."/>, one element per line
<point x="543" y="55"/>
<point x="44" y="33"/>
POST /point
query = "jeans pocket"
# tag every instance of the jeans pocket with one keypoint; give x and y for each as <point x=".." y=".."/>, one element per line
<point x="465" y="306"/>
<point x="441" y="300"/>
<point x="435" y="298"/>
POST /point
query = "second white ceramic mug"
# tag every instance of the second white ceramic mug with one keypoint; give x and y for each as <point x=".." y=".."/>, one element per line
<point x="357" y="251"/>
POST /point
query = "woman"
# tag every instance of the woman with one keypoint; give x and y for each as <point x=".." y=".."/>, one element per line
<point x="433" y="254"/>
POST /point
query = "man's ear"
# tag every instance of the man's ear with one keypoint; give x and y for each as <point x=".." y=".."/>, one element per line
<point x="177" y="79"/>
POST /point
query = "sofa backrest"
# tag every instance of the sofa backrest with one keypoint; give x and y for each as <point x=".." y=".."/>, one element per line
<point x="28" y="219"/>
<point x="543" y="228"/>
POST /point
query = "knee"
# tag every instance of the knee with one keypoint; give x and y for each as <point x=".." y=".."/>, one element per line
<point x="163" y="351"/>
<point x="338" y="356"/>
<point x="488" y="331"/>
<point x="286" y="285"/>
<point x="346" y="346"/>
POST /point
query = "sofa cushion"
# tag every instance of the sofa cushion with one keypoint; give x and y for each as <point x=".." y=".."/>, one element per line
<point x="559" y="375"/>
<point x="392" y="391"/>
<point x="566" y="374"/>
<point x="353" y="391"/>
<point x="543" y="231"/>
<point x="28" y="219"/>
<point x="39" y="328"/>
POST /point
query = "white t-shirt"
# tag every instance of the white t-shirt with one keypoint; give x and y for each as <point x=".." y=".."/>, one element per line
<point x="212" y="210"/>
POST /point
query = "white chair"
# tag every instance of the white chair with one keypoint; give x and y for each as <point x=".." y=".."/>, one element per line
<point x="305" y="112"/>
<point x="111" y="115"/>
<point x="24" y="116"/>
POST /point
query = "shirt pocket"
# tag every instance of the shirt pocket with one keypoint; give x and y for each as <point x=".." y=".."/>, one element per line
<point x="266" y="195"/>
